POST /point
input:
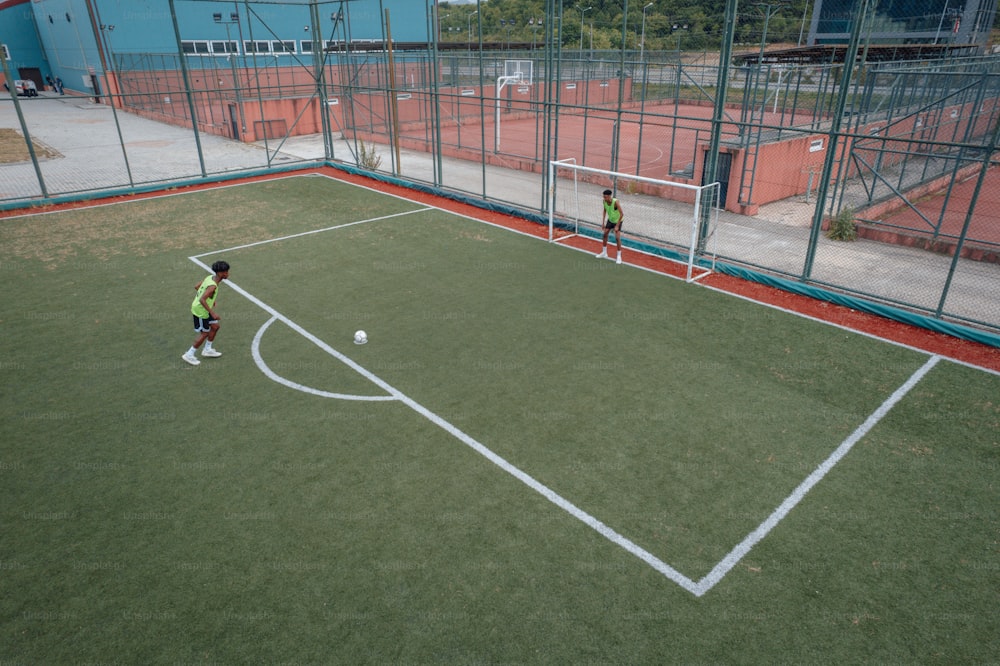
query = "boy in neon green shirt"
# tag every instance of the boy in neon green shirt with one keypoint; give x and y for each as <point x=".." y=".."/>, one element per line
<point x="206" y="320"/>
<point x="611" y="219"/>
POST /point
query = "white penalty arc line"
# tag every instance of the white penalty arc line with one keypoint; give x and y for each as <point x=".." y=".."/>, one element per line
<point x="740" y="551"/>
<point x="259" y="360"/>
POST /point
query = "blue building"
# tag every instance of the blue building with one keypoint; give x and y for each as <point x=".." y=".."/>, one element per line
<point x="75" y="40"/>
<point x="21" y="48"/>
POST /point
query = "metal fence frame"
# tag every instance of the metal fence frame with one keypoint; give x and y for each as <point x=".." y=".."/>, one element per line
<point x="934" y="150"/>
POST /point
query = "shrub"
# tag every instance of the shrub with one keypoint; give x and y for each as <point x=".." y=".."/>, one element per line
<point x="367" y="157"/>
<point x="842" y="226"/>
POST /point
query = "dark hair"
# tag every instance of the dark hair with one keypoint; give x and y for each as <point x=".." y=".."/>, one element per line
<point x="220" y="267"/>
<point x="607" y="191"/>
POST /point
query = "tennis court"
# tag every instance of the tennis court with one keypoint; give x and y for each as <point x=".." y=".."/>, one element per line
<point x="538" y="456"/>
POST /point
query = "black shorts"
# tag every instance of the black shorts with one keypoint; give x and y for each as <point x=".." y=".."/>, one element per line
<point x="611" y="225"/>
<point x="203" y="325"/>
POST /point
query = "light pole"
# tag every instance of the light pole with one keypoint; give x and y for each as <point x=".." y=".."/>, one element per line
<point x="802" y="27"/>
<point x="679" y="29"/>
<point x="234" y="18"/>
<point x="769" y="10"/>
<point x="582" y="12"/>
<point x="937" y="35"/>
<point x="470" y="26"/>
<point x="642" y="40"/>
<point x="440" y="21"/>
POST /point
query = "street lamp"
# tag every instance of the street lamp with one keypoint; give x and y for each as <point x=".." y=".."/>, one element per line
<point x="582" y="12"/>
<point x="470" y="25"/>
<point x="534" y="31"/>
<point x="509" y="23"/>
<point x="642" y="40"/>
<point x="679" y="30"/>
<point x="234" y="18"/>
<point x="440" y="21"/>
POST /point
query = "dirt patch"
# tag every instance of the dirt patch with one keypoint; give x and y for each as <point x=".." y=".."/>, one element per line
<point x="165" y="224"/>
<point x="148" y="144"/>
<point x="13" y="148"/>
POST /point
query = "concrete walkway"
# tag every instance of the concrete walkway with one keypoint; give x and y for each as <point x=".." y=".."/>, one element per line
<point x="100" y="148"/>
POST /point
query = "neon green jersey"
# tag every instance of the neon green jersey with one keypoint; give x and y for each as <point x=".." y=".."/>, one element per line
<point x="613" y="212"/>
<point x="196" y="307"/>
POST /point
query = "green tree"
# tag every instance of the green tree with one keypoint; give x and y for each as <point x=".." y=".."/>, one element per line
<point x="703" y="19"/>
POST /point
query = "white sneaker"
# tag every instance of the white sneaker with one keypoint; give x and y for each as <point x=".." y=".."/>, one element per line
<point x="190" y="359"/>
<point x="603" y="254"/>
<point x="211" y="353"/>
<point x="618" y="260"/>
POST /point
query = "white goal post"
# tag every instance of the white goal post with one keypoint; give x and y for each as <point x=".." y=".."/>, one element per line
<point x="661" y="213"/>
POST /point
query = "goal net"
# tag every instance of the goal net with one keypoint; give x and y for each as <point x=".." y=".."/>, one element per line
<point x="662" y="213"/>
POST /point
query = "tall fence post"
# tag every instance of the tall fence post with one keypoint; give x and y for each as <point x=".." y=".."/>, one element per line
<point x="861" y="15"/>
<point x="24" y="126"/>
<point x="187" y="89"/>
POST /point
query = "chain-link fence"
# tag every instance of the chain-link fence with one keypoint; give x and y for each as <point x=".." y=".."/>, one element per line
<point x="897" y="155"/>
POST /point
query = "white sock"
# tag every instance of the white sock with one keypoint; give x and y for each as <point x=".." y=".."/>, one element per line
<point x="208" y="345"/>
<point x="192" y="351"/>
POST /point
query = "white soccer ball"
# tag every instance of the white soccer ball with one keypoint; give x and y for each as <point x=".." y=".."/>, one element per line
<point x="360" y="338"/>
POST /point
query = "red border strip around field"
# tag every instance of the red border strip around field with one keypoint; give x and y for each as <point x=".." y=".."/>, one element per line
<point x="963" y="351"/>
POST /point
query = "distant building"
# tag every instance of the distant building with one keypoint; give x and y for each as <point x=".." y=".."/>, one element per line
<point x="952" y="22"/>
<point x="78" y="40"/>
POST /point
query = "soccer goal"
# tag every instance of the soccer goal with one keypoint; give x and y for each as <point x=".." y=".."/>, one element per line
<point x="662" y="213"/>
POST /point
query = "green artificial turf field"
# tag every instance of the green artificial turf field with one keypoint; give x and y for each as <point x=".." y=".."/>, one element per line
<point x="565" y="460"/>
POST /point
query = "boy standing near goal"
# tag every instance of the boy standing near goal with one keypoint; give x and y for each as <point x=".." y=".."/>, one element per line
<point x="206" y="321"/>
<point x="611" y="219"/>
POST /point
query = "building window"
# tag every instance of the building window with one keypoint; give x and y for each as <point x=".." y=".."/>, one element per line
<point x="256" y="47"/>
<point x="193" y="47"/>
<point x="224" y="48"/>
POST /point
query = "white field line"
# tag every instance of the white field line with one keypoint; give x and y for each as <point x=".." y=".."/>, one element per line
<point x="500" y="462"/>
<point x="308" y="233"/>
<point x="740" y="551"/>
<point x="259" y="360"/>
<point x="699" y="588"/>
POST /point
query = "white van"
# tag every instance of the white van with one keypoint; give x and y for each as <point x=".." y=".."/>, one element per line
<point x="26" y="88"/>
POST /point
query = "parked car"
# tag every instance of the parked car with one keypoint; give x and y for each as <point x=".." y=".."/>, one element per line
<point x="26" y="88"/>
